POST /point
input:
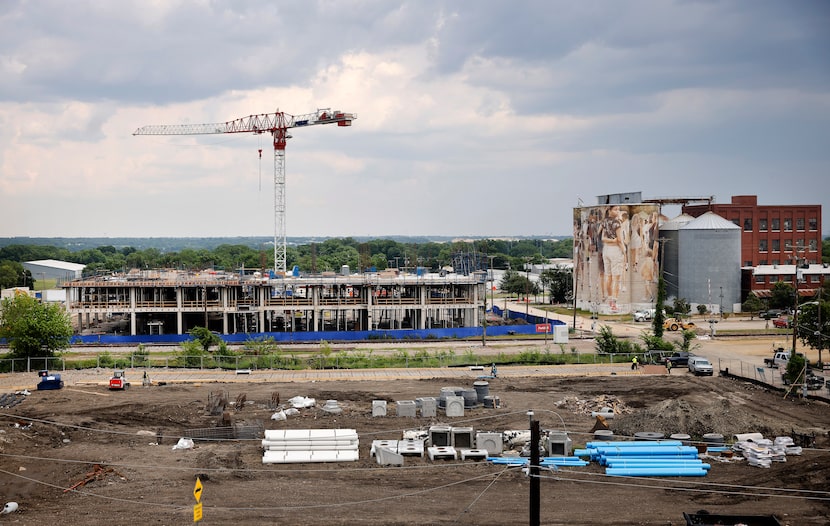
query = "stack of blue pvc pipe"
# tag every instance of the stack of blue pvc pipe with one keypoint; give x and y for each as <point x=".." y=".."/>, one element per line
<point x="660" y="458"/>
<point x="544" y="461"/>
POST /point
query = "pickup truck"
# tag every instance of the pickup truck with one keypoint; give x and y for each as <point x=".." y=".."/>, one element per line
<point x="644" y="314"/>
<point x="680" y="358"/>
<point x="779" y="358"/>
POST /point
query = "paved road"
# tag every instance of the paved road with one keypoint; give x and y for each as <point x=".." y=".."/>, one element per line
<point x="100" y="377"/>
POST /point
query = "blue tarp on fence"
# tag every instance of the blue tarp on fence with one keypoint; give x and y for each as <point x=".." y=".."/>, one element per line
<point x="400" y="334"/>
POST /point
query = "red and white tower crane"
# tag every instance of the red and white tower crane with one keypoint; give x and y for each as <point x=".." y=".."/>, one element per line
<point x="277" y="124"/>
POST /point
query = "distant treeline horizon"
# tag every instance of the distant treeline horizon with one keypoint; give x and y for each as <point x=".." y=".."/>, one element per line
<point x="102" y="255"/>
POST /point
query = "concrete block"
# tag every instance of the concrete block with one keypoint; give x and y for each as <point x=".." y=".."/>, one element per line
<point x="473" y="454"/>
<point x="442" y="453"/>
<point x="440" y="436"/>
<point x="491" y="442"/>
<point x="378" y="407"/>
<point x="429" y="406"/>
<point x="406" y="408"/>
<point x="387" y="457"/>
<point x="455" y="406"/>
<point x="558" y="443"/>
<point x="391" y="445"/>
<point x="411" y="447"/>
<point x="462" y="437"/>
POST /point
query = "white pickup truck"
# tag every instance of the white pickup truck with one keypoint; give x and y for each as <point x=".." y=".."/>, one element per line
<point x="780" y="358"/>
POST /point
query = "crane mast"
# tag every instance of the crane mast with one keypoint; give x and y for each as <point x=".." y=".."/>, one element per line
<point x="277" y="124"/>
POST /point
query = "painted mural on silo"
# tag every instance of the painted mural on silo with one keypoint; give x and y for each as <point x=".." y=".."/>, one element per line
<point x="615" y="257"/>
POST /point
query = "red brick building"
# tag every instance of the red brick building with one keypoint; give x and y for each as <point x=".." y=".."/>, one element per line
<point x="771" y="234"/>
<point x="778" y="243"/>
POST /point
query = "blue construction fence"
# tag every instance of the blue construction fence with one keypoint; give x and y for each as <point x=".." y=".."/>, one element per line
<point x="300" y="337"/>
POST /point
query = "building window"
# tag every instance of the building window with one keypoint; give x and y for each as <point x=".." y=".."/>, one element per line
<point x="799" y="224"/>
<point x="815" y="278"/>
<point x="813" y="224"/>
<point x="748" y="224"/>
<point x="788" y="225"/>
<point x="762" y="224"/>
<point x="759" y="279"/>
<point x="788" y="245"/>
<point x="788" y="278"/>
<point x="776" y="224"/>
<point x="776" y="245"/>
<point x="762" y="245"/>
<point x="813" y="245"/>
<point x="763" y="262"/>
<point x="799" y="244"/>
<point x="737" y="221"/>
<point x="748" y="263"/>
<point x="773" y="279"/>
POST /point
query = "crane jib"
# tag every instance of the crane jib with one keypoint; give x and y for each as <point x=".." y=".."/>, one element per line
<point x="263" y="123"/>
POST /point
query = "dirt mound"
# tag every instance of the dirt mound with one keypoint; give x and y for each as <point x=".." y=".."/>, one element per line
<point x="680" y="416"/>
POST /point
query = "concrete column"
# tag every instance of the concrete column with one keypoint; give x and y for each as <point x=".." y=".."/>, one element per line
<point x="261" y="291"/>
<point x="179" y="310"/>
<point x="133" y="322"/>
<point x="223" y="295"/>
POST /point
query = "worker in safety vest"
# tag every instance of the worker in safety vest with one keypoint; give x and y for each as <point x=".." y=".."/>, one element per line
<point x="668" y="366"/>
<point x="634" y="363"/>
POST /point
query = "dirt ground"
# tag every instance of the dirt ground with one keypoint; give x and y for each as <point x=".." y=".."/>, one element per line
<point x="52" y="440"/>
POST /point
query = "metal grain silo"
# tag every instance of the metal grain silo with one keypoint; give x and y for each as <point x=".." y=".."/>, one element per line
<point x="709" y="262"/>
<point x="669" y="250"/>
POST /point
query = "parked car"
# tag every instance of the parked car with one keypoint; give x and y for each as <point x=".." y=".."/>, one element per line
<point x="781" y="322"/>
<point x="679" y="359"/>
<point x="770" y="314"/>
<point x="699" y="365"/>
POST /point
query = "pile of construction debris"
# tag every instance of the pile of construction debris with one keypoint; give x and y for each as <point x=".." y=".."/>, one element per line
<point x="600" y="404"/>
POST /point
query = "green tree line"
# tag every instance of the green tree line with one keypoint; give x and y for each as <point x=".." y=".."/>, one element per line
<point x="329" y="255"/>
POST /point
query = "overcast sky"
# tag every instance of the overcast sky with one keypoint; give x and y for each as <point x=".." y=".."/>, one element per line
<point x="474" y="118"/>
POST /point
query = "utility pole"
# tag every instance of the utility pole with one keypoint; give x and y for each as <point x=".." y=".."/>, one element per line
<point x="533" y="472"/>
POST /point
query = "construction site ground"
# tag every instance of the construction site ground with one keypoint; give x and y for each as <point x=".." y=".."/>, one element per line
<point x="87" y="455"/>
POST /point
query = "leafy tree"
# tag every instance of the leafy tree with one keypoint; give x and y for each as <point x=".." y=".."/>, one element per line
<point x="205" y="338"/>
<point x="32" y="328"/>
<point x="681" y="307"/>
<point x="795" y="366"/>
<point x="192" y="354"/>
<point x="559" y="282"/>
<point x="659" y="316"/>
<point x="653" y="343"/>
<point x="607" y="343"/>
<point x="514" y="283"/>
<point x="11" y="274"/>
<point x="814" y="325"/>
<point x="686" y="343"/>
<point x="752" y="305"/>
<point x="702" y="309"/>
<point x="782" y="296"/>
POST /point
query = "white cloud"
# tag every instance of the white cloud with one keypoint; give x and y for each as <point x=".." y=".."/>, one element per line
<point x="486" y="119"/>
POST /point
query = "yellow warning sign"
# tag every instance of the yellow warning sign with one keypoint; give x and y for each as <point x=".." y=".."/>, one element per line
<point x="197" y="490"/>
<point x="197" y="512"/>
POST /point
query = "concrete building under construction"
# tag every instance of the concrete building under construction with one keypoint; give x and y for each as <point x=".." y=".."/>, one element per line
<point x="174" y="302"/>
